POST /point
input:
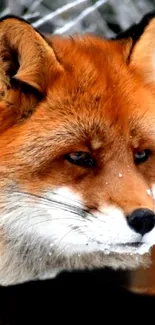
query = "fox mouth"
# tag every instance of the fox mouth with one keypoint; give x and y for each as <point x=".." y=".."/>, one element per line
<point x="128" y="245"/>
<point x="134" y="245"/>
<point x="132" y="248"/>
<point x="127" y="248"/>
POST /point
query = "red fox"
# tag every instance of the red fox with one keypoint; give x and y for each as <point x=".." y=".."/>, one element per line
<point x="77" y="150"/>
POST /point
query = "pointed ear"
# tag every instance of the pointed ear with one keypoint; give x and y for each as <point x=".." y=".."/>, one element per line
<point x="142" y="52"/>
<point x="27" y="66"/>
<point x="25" y="56"/>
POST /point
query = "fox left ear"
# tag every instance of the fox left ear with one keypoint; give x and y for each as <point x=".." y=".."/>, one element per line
<point x="25" y="56"/>
<point x="142" y="54"/>
<point x="27" y="66"/>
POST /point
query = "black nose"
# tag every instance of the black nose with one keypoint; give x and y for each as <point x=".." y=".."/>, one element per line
<point x="141" y="220"/>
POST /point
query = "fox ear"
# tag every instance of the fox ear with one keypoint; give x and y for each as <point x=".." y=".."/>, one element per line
<point x="25" y="56"/>
<point x="27" y="66"/>
<point x="142" y="54"/>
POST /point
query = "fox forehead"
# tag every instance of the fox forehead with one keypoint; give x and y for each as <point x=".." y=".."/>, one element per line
<point x="95" y="99"/>
<point x="90" y="63"/>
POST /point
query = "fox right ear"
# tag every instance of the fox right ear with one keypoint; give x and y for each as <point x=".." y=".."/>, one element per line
<point x="139" y="41"/>
<point x="142" y="55"/>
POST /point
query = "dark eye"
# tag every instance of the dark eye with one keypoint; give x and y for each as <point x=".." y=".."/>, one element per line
<point x="80" y="158"/>
<point x="142" y="156"/>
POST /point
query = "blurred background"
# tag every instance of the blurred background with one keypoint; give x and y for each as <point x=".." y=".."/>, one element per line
<point x="102" y="17"/>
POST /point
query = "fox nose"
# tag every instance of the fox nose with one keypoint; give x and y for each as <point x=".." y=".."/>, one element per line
<point x="141" y="220"/>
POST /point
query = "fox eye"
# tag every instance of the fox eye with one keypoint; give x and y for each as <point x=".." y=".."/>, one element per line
<point x="80" y="158"/>
<point x="142" y="156"/>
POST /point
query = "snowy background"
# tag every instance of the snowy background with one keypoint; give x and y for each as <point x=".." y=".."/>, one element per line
<point x="103" y="17"/>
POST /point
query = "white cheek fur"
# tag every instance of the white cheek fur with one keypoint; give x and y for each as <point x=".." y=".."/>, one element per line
<point x="51" y="233"/>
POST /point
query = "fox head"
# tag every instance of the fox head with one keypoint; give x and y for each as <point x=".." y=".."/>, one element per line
<point x="77" y="150"/>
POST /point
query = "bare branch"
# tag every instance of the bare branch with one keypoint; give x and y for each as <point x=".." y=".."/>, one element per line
<point x="58" y="12"/>
<point x="31" y="15"/>
<point x="35" y="5"/>
<point x="79" y="18"/>
<point x="6" y="11"/>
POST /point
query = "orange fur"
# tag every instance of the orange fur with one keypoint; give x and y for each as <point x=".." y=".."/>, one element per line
<point x="63" y="95"/>
<point x="96" y="80"/>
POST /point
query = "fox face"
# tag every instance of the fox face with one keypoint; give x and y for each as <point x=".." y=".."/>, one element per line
<point x="77" y="150"/>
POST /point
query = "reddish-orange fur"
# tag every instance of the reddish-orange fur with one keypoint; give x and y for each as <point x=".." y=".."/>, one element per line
<point x="90" y="75"/>
<point x="76" y="94"/>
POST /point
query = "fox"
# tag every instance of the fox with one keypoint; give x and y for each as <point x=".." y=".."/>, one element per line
<point x="77" y="150"/>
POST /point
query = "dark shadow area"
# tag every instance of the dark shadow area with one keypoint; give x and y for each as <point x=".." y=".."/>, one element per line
<point x="80" y="297"/>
